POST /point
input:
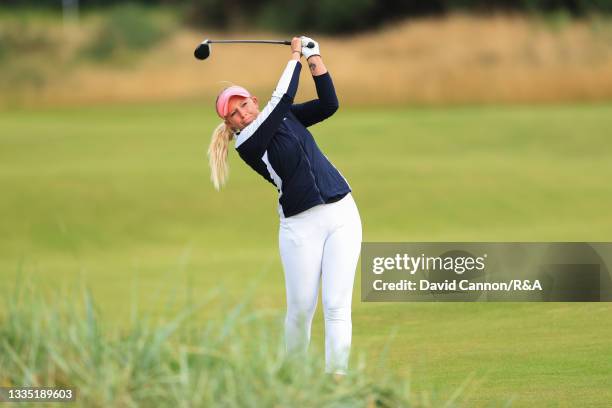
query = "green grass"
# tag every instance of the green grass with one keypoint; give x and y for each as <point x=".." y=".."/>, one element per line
<point x="119" y="198"/>
<point x="234" y="361"/>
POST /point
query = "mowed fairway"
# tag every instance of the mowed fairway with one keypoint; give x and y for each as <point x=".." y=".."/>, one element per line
<point x="119" y="198"/>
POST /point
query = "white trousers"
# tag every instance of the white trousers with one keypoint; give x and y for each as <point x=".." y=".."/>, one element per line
<point x="321" y="244"/>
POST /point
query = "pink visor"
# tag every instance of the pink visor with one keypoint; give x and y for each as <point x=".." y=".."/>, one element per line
<point x="224" y="97"/>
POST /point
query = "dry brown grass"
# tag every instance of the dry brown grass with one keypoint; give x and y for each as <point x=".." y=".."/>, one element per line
<point x="459" y="59"/>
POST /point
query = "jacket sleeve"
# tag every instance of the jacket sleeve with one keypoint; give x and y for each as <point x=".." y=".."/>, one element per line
<point x="311" y="112"/>
<point x="253" y="140"/>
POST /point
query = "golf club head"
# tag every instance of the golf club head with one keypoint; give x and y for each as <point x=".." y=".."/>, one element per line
<point x="202" y="51"/>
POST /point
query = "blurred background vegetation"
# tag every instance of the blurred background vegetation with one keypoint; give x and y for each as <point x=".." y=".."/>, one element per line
<point x="381" y="52"/>
<point x="331" y="16"/>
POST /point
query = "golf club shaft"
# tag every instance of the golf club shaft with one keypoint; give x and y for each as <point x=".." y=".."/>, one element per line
<point x="284" y="42"/>
<point x="203" y="50"/>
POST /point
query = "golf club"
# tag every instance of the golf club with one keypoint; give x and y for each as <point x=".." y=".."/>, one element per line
<point x="203" y="50"/>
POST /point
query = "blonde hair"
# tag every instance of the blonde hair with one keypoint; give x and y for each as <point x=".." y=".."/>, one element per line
<point x="217" y="154"/>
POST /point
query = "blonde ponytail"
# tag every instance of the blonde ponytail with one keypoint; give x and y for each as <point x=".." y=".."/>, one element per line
<point x="217" y="154"/>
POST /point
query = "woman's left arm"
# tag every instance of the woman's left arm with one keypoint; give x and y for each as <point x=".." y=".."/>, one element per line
<point x="315" y="111"/>
<point x="316" y="65"/>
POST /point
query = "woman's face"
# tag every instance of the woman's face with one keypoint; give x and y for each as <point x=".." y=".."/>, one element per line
<point x="242" y="111"/>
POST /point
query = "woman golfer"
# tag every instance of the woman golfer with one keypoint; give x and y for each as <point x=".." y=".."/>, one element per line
<point x="320" y="227"/>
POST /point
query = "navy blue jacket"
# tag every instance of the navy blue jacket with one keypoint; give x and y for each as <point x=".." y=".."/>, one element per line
<point x="278" y="146"/>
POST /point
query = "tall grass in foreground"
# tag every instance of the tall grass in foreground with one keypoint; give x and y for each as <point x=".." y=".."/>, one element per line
<point x="235" y="361"/>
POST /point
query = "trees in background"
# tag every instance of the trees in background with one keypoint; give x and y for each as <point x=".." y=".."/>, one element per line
<point x="332" y="16"/>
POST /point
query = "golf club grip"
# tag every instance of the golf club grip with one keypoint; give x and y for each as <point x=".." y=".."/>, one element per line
<point x="309" y="45"/>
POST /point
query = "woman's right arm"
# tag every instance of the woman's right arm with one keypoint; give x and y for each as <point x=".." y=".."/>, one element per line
<point x="254" y="139"/>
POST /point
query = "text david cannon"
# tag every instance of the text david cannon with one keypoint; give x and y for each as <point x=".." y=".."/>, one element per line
<point x="462" y="285"/>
